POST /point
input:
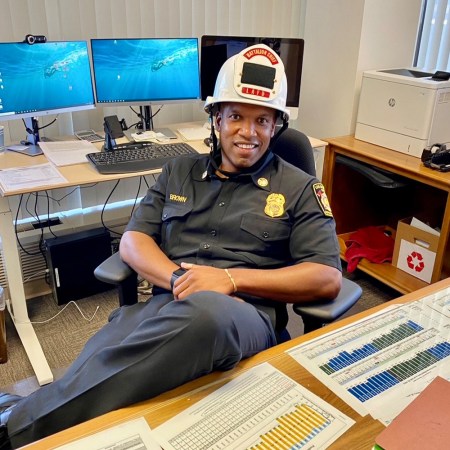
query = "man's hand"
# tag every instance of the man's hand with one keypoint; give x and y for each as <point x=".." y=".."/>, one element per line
<point x="202" y="278"/>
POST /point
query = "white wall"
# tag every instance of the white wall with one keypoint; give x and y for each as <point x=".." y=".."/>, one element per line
<point x="332" y="36"/>
<point x="342" y="38"/>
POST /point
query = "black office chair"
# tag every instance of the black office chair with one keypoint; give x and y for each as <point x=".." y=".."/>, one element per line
<point x="294" y="147"/>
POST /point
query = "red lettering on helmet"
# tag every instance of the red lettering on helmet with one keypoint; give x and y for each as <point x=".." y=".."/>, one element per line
<point x="255" y="92"/>
<point x="261" y="52"/>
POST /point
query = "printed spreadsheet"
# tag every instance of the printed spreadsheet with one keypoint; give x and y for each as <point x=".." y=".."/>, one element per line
<point x="259" y="410"/>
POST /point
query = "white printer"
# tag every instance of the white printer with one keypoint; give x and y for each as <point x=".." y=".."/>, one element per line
<point x="404" y="109"/>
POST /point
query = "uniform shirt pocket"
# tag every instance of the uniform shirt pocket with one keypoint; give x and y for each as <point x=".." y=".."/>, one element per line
<point x="171" y="212"/>
<point x="267" y="240"/>
<point x="174" y="218"/>
<point x="267" y="230"/>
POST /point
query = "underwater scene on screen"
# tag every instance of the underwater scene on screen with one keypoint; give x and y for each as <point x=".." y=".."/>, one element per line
<point x="42" y="77"/>
<point x="139" y="70"/>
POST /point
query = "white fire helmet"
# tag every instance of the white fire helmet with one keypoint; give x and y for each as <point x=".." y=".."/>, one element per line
<point x="255" y="76"/>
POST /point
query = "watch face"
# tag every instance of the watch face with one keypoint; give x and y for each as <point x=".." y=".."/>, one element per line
<point x="175" y="275"/>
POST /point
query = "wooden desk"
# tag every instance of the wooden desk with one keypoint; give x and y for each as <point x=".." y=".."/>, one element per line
<point x="357" y="203"/>
<point x="162" y="408"/>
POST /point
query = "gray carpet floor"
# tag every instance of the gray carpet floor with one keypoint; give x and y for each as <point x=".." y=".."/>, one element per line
<point x="63" y="336"/>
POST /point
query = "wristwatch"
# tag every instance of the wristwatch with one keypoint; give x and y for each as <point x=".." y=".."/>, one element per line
<point x="175" y="275"/>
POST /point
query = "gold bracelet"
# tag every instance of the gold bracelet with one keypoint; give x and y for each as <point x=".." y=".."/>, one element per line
<point x="232" y="280"/>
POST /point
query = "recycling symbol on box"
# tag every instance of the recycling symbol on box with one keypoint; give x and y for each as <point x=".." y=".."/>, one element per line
<point x="415" y="261"/>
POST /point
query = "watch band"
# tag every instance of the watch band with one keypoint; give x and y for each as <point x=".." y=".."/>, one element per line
<point x="175" y="275"/>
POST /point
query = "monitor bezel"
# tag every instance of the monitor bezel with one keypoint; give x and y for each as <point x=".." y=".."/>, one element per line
<point x="145" y="101"/>
<point x="9" y="116"/>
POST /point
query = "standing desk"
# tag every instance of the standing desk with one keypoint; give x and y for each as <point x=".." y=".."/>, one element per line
<point x="76" y="175"/>
<point x="356" y="203"/>
<point x="160" y="409"/>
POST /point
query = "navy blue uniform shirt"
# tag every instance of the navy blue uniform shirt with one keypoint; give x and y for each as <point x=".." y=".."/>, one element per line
<point x="267" y="219"/>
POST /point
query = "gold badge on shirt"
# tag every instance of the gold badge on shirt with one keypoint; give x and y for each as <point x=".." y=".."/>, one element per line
<point x="322" y="199"/>
<point x="275" y="205"/>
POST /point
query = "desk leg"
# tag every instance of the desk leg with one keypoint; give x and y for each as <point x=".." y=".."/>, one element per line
<point x="18" y="305"/>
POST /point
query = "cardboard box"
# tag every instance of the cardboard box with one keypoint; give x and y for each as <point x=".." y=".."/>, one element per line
<point x="415" y="250"/>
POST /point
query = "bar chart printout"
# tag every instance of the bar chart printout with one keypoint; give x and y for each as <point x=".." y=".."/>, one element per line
<point x="259" y="410"/>
<point x="381" y="363"/>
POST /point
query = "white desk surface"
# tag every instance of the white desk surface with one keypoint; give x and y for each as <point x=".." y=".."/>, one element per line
<point x="79" y="174"/>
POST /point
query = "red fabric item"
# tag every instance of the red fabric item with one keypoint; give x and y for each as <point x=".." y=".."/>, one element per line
<point x="370" y="243"/>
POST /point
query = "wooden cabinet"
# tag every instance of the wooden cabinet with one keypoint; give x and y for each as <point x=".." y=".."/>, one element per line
<point x="357" y="202"/>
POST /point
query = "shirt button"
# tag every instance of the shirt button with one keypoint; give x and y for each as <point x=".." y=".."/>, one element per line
<point x="265" y="234"/>
<point x="213" y="232"/>
<point x="206" y="246"/>
<point x="222" y="204"/>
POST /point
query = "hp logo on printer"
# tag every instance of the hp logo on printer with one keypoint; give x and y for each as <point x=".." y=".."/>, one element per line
<point x="391" y="102"/>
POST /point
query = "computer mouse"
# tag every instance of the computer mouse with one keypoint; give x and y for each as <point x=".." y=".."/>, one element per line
<point x="207" y="141"/>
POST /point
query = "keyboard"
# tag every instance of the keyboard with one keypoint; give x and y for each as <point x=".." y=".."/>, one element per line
<point x="137" y="156"/>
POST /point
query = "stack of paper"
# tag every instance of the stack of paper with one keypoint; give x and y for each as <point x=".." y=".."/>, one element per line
<point x="65" y="153"/>
<point x="30" y="177"/>
<point x="194" y="133"/>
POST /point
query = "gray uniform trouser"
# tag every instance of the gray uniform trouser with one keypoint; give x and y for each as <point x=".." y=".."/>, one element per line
<point x="144" y="350"/>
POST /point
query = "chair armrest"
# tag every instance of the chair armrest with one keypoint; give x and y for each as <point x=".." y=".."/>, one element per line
<point x="327" y="311"/>
<point x="113" y="270"/>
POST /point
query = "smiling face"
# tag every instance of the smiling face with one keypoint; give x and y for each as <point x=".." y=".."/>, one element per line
<point x="245" y="133"/>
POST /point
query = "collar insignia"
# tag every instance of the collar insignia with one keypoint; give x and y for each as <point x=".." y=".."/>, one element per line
<point x="322" y="199"/>
<point x="263" y="182"/>
<point x="275" y="205"/>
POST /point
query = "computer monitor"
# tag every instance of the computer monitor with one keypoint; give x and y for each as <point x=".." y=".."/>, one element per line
<point x="215" y="50"/>
<point x="145" y="71"/>
<point x="44" y="78"/>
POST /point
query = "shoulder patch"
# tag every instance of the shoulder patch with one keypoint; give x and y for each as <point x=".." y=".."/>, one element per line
<point x="322" y="199"/>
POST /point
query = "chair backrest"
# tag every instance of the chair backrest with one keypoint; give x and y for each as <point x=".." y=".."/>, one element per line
<point x="295" y="148"/>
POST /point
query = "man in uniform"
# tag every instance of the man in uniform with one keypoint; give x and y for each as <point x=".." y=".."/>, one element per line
<point x="221" y="237"/>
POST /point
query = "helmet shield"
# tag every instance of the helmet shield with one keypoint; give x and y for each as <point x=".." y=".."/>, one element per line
<point x="254" y="76"/>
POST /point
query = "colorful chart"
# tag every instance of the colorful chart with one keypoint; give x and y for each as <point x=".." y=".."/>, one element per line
<point x="295" y="429"/>
<point x="391" y="355"/>
<point x="259" y="410"/>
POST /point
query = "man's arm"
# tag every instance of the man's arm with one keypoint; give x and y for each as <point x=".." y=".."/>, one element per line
<point x="142" y="253"/>
<point x="302" y="282"/>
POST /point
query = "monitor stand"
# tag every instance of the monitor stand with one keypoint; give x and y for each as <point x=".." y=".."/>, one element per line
<point x="147" y="123"/>
<point x="29" y="150"/>
<point x="146" y="117"/>
<point x="30" y="146"/>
